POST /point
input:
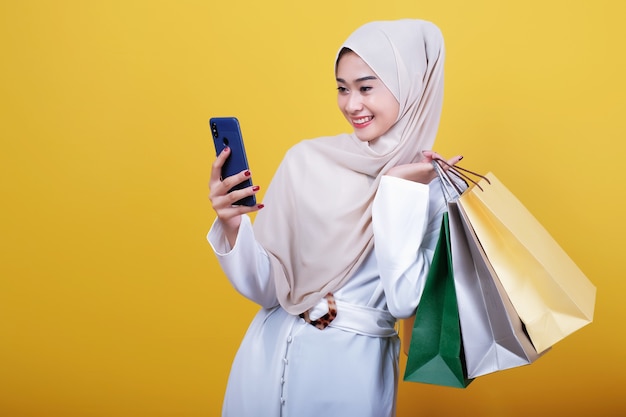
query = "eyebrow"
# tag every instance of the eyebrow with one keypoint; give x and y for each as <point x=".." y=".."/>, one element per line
<point x="358" y="80"/>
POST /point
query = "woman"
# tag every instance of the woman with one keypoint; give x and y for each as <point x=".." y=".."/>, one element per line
<point x="344" y="243"/>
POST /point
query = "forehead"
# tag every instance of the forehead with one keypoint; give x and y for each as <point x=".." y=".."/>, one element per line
<point x="351" y="66"/>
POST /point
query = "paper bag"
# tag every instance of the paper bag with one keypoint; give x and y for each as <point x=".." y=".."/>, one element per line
<point x="550" y="293"/>
<point x="435" y="351"/>
<point x="494" y="338"/>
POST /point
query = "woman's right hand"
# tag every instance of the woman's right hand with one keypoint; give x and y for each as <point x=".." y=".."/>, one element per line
<point x="422" y="171"/>
<point x="222" y="201"/>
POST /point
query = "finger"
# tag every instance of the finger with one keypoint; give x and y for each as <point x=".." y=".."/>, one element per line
<point x="236" y="195"/>
<point x="239" y="210"/>
<point x="233" y="180"/>
<point x="430" y="156"/>
<point x="454" y="160"/>
<point x="221" y="197"/>
<point x="228" y="212"/>
<point x="218" y="163"/>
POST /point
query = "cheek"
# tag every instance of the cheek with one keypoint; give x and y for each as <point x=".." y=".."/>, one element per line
<point x="341" y="103"/>
<point x="394" y="110"/>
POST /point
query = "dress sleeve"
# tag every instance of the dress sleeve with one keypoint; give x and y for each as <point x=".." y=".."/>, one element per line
<point x="406" y="219"/>
<point x="246" y="265"/>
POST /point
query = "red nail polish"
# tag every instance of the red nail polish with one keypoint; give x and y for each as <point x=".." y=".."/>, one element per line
<point x="256" y="188"/>
<point x="247" y="173"/>
<point x="260" y="206"/>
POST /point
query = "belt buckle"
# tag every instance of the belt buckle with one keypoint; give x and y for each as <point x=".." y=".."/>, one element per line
<point x="327" y="318"/>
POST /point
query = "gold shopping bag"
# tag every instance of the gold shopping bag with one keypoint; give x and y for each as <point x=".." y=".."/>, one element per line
<point x="551" y="295"/>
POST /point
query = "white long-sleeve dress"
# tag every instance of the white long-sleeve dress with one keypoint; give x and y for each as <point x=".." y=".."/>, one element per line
<point x="287" y="367"/>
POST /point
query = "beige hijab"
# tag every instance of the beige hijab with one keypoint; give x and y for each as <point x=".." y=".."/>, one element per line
<point x="317" y="223"/>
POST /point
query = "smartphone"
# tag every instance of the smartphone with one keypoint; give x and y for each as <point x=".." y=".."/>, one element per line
<point x="226" y="132"/>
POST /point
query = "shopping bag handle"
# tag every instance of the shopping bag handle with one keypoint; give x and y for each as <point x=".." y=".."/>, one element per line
<point x="447" y="183"/>
<point x="460" y="172"/>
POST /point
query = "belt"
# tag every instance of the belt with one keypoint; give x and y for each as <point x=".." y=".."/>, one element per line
<point x="354" y="318"/>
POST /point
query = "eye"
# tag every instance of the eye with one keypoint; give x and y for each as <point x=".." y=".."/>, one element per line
<point x="342" y="90"/>
<point x="365" y="89"/>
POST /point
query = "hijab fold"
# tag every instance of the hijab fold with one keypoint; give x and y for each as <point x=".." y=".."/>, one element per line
<point x="317" y="223"/>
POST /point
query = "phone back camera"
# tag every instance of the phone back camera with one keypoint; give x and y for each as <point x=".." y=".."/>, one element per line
<point x="214" y="130"/>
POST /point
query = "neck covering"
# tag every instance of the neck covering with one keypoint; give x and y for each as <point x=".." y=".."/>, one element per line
<point x="317" y="222"/>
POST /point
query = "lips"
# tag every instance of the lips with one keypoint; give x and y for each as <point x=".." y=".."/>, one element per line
<point x="362" y="122"/>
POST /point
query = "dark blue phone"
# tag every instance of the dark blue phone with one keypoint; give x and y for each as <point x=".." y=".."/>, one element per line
<point x="227" y="132"/>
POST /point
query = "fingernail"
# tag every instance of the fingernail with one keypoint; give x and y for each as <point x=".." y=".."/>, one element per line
<point x="247" y="173"/>
<point x="260" y="206"/>
<point x="256" y="188"/>
<point x="226" y="149"/>
<point x="460" y="157"/>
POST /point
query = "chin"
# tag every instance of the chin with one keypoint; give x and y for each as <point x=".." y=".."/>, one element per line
<point x="364" y="138"/>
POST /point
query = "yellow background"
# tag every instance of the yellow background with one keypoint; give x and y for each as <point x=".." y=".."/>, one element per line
<point x="111" y="302"/>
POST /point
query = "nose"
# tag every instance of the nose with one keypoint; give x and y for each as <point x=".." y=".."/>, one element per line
<point x="354" y="104"/>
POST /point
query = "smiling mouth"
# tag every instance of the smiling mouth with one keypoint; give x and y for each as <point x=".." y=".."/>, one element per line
<point x="360" y="122"/>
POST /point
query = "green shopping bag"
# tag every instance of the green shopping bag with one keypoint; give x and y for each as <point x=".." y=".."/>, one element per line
<point x="436" y="351"/>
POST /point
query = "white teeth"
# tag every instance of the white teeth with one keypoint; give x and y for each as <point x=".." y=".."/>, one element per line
<point x="363" y="120"/>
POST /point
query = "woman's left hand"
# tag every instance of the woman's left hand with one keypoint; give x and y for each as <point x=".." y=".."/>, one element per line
<point x="422" y="171"/>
